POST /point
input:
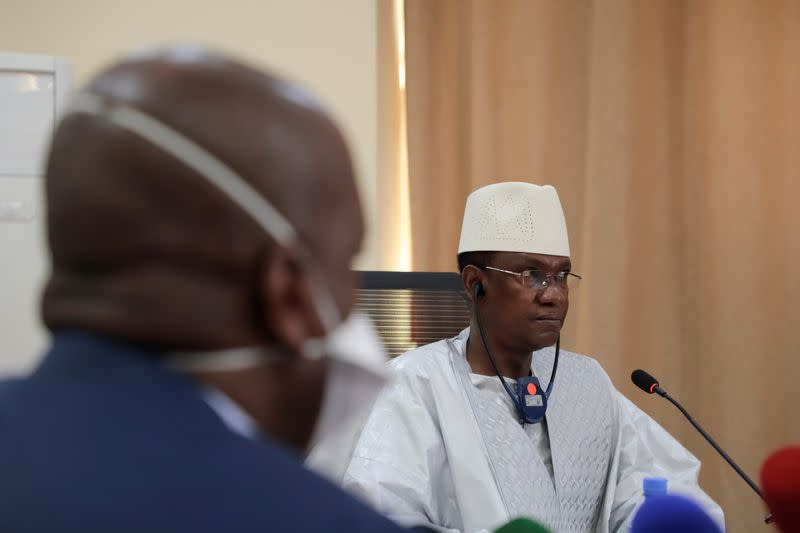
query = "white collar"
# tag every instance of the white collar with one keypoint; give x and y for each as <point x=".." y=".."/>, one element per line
<point x="232" y="415"/>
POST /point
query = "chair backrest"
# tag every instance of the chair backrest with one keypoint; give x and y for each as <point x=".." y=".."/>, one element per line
<point x="411" y="309"/>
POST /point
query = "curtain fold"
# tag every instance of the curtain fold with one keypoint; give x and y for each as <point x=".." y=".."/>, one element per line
<point x="390" y="187"/>
<point x="670" y="130"/>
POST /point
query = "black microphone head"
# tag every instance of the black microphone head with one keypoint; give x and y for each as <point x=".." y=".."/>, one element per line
<point x="644" y="381"/>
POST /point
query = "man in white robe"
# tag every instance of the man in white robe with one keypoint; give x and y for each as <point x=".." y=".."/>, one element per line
<point x="446" y="446"/>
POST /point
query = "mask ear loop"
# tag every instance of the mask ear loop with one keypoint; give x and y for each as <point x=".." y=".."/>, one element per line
<point x="225" y="179"/>
<point x="322" y="298"/>
<point x="328" y="314"/>
<point x="194" y="156"/>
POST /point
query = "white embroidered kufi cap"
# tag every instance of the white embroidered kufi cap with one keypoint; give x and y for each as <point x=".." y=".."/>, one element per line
<point x="514" y="217"/>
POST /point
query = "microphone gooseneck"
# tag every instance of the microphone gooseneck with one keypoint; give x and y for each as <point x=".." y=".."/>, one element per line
<point x="650" y="385"/>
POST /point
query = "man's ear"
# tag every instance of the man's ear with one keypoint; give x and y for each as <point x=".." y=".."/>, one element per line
<point x="472" y="277"/>
<point x="285" y="296"/>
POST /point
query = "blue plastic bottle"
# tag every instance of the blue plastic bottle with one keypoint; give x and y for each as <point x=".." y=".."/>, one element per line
<point x="651" y="486"/>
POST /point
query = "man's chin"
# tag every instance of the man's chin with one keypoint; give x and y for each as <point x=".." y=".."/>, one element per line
<point x="545" y="339"/>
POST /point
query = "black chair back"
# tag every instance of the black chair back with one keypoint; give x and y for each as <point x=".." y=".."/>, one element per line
<point x="411" y="309"/>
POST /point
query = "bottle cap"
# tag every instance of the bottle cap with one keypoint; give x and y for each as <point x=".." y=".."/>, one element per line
<point x="654" y="486"/>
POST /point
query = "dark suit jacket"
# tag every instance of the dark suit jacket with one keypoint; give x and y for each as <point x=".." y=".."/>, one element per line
<point x="102" y="438"/>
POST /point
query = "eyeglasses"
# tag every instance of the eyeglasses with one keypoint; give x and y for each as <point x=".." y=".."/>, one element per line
<point x="539" y="279"/>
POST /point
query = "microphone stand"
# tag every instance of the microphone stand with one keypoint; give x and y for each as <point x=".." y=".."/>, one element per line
<point x="661" y="392"/>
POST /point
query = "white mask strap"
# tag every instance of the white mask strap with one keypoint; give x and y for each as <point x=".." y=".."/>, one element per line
<point x="195" y="157"/>
<point x="222" y="360"/>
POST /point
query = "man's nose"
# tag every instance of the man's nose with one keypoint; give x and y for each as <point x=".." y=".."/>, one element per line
<point x="552" y="294"/>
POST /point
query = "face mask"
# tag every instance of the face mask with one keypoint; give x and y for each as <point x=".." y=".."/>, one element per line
<point x="356" y="374"/>
<point x="357" y="369"/>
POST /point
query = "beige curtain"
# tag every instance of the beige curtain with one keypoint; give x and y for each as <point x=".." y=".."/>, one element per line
<point x="393" y="218"/>
<point x="672" y="132"/>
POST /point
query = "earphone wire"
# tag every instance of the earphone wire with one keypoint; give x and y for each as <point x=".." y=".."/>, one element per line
<point x="523" y="417"/>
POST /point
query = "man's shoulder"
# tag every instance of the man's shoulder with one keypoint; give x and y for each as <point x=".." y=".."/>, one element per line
<point x="423" y="358"/>
<point x="576" y="363"/>
<point x="7" y="385"/>
<point x="581" y="359"/>
<point x="436" y="356"/>
<point x="148" y="448"/>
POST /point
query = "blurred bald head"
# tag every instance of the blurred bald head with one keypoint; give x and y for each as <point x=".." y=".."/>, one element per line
<point x="145" y="249"/>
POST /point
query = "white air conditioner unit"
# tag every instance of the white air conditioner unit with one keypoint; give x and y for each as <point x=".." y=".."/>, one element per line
<point x="33" y="93"/>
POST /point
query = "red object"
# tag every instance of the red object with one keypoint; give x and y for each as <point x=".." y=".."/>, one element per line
<point x="780" y="481"/>
<point x="531" y="389"/>
<point x="652" y="387"/>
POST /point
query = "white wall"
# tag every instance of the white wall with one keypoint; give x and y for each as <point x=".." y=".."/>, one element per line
<point x="329" y="46"/>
